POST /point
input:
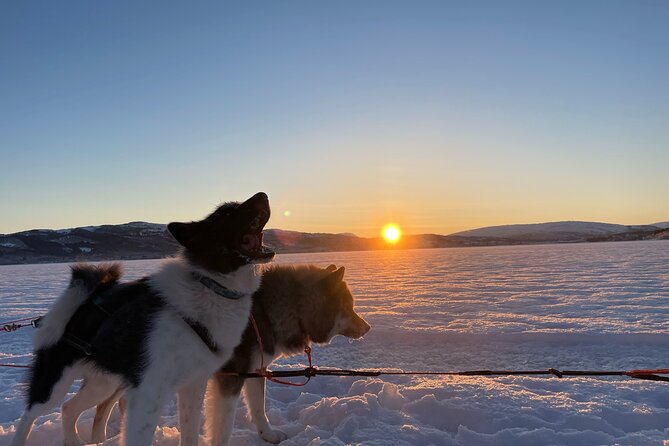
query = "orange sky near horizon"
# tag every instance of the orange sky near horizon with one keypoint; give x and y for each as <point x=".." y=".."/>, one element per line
<point x="439" y="116"/>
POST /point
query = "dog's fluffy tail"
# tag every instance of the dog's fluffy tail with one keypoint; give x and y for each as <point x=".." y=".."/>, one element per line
<point x="85" y="279"/>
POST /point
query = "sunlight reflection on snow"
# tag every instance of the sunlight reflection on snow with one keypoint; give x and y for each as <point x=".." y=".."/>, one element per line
<point x="564" y="306"/>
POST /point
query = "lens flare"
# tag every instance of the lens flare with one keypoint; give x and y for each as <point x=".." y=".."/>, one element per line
<point x="391" y="233"/>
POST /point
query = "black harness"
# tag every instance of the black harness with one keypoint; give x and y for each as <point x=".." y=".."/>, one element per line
<point x="222" y="291"/>
<point x="83" y="328"/>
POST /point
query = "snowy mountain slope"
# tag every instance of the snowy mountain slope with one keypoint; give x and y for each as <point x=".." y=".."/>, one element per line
<point x="554" y="231"/>
<point x="135" y="240"/>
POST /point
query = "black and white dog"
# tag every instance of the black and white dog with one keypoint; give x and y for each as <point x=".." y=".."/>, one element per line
<point x="165" y="333"/>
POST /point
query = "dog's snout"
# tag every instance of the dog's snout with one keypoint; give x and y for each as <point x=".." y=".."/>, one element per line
<point x="261" y="205"/>
<point x="365" y="326"/>
<point x="362" y="327"/>
<point x="258" y="202"/>
<point x="261" y="198"/>
<point x="356" y="328"/>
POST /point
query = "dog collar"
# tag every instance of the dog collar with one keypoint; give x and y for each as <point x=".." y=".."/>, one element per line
<point x="217" y="287"/>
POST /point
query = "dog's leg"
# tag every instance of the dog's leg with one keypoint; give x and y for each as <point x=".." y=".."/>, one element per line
<point x="220" y="407"/>
<point x="92" y="391"/>
<point x="96" y="388"/>
<point x="144" y="406"/>
<point x="26" y="424"/>
<point x="37" y="408"/>
<point x="102" y="413"/>
<point x="254" y="389"/>
<point x="189" y="399"/>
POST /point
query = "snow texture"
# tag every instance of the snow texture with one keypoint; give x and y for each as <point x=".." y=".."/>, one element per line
<point x="576" y="306"/>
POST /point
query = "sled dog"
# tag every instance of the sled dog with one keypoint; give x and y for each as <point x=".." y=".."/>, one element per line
<point x="165" y="333"/>
<point x="294" y="307"/>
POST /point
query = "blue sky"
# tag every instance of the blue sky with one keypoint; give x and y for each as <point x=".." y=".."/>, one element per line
<point x="437" y="115"/>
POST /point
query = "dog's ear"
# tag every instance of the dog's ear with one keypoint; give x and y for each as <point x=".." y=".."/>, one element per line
<point x="334" y="278"/>
<point x="331" y="268"/>
<point x="182" y="232"/>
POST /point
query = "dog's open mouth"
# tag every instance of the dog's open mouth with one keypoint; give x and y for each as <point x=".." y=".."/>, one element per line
<point x="252" y="247"/>
<point x="257" y="213"/>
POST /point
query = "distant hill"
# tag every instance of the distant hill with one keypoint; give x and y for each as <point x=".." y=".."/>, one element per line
<point x="141" y="240"/>
<point x="561" y="231"/>
<point x="136" y="240"/>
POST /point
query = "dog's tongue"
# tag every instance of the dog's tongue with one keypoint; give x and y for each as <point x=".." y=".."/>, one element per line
<point x="251" y="242"/>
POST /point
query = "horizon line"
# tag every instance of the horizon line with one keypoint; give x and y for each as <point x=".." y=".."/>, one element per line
<point x="351" y="232"/>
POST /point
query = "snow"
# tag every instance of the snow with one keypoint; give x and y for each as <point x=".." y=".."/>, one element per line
<point x="73" y="239"/>
<point x="576" y="306"/>
<point x="147" y="228"/>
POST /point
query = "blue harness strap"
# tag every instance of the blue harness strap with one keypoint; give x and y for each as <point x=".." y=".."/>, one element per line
<point x="216" y="287"/>
<point x="222" y="291"/>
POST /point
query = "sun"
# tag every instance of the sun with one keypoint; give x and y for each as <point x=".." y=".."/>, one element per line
<point x="391" y="232"/>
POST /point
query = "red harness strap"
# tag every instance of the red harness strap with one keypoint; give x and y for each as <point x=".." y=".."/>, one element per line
<point x="267" y="374"/>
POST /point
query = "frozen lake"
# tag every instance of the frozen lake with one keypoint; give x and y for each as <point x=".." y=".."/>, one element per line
<point x="577" y="306"/>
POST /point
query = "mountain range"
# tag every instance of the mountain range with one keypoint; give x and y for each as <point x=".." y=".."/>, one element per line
<point x="141" y="240"/>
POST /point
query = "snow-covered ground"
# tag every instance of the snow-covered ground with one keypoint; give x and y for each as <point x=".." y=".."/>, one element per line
<point x="583" y="306"/>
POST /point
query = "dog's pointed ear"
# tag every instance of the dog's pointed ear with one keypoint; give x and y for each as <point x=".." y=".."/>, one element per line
<point x="331" y="268"/>
<point x="334" y="278"/>
<point x="182" y="232"/>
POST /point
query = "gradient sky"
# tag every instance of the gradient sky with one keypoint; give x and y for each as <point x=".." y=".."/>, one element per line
<point x="440" y="116"/>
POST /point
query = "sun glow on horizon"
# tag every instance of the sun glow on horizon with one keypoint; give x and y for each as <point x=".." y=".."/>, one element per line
<point x="391" y="233"/>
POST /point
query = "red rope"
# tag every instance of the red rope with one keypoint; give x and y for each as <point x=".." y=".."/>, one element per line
<point x="18" y="366"/>
<point x="267" y="374"/>
<point x="648" y="372"/>
<point x="21" y="320"/>
<point x="309" y="372"/>
<point x="13" y="325"/>
<point x="8" y="328"/>
<point x="651" y="375"/>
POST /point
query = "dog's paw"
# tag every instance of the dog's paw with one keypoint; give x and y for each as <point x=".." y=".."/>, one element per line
<point x="273" y="436"/>
<point x="98" y="438"/>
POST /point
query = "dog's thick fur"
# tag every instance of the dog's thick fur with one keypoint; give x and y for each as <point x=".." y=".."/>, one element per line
<point x="294" y="306"/>
<point x="84" y="281"/>
<point x="155" y="342"/>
